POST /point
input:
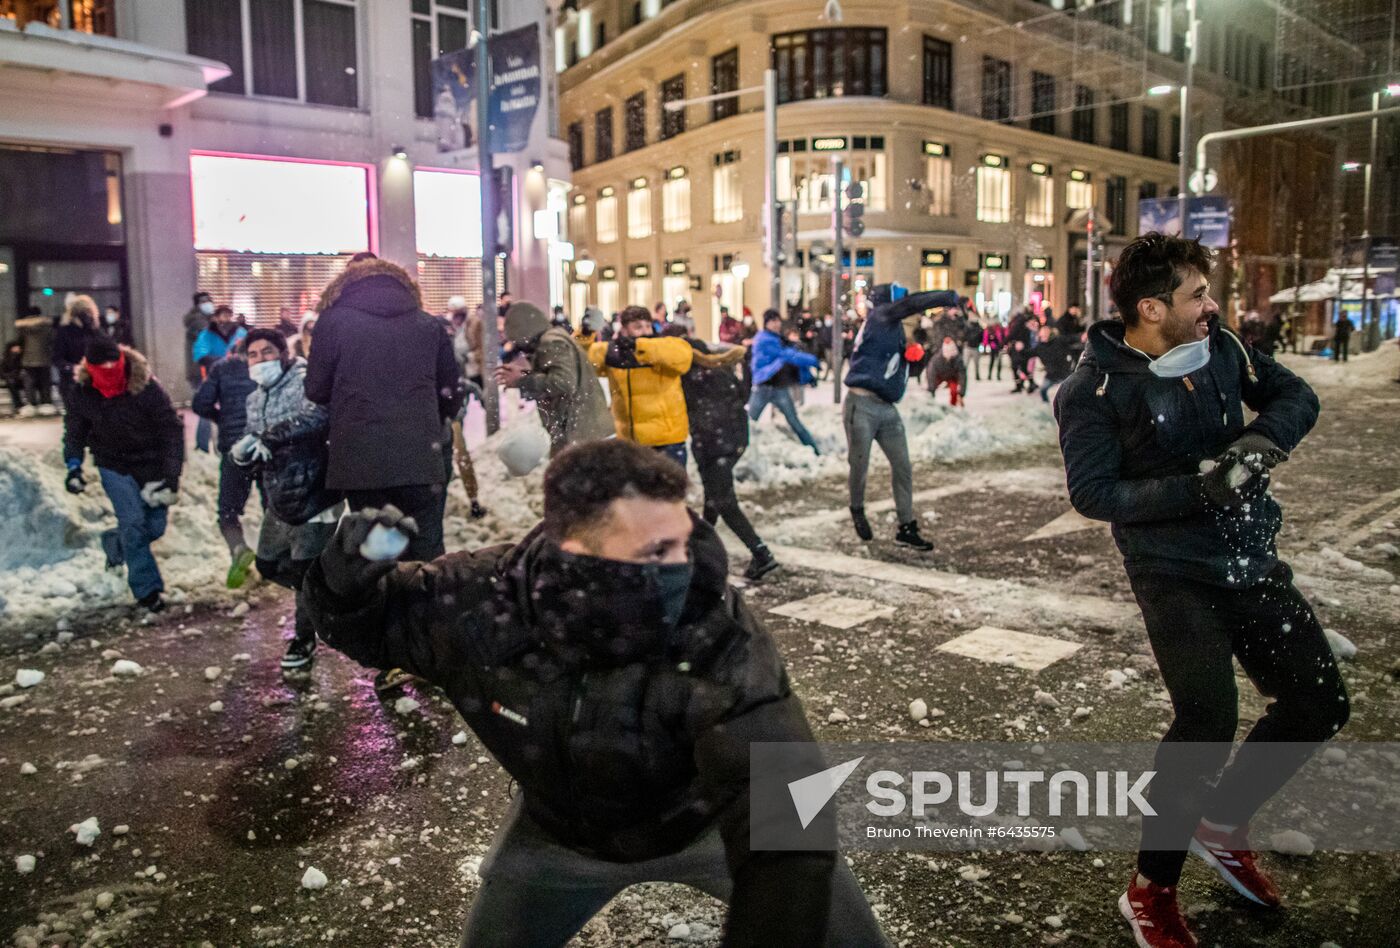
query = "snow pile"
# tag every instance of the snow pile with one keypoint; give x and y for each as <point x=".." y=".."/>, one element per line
<point x="1363" y="370"/>
<point x="51" y="559"/>
<point x="28" y="677"/>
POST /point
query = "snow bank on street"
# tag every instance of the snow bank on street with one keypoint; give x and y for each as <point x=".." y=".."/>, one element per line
<point x="1363" y="370"/>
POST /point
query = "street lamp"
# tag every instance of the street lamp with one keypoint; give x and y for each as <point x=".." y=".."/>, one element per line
<point x="1165" y="88"/>
<point x="584" y="266"/>
<point x="1351" y="166"/>
<point x="739" y="269"/>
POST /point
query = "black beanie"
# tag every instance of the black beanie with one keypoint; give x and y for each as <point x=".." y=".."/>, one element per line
<point x="100" y="350"/>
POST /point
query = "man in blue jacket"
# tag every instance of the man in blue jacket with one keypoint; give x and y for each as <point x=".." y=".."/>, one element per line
<point x="875" y="383"/>
<point x="1155" y="442"/>
<point x="777" y="367"/>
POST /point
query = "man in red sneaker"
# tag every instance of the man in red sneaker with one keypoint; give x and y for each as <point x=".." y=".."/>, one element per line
<point x="1154" y="440"/>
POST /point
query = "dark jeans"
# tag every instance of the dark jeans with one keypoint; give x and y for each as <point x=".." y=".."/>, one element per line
<point x="1340" y="349"/>
<point x="203" y="434"/>
<point x="38" y="386"/>
<point x="16" y="391"/>
<point x="286" y="552"/>
<point x="781" y="399"/>
<point x="1195" y="628"/>
<point x="423" y="502"/>
<point x="235" y="487"/>
<point x="138" y="526"/>
<point x="538" y="893"/>
<point x="994" y="363"/>
<point x="717" y="478"/>
<point x="676" y="452"/>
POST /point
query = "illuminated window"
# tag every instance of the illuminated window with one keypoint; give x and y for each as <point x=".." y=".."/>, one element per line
<point x="1040" y="197"/>
<point x="993" y="194"/>
<point x="608" y="295"/>
<point x="447" y="213"/>
<point x="1079" y="193"/>
<point x="639" y="209"/>
<point x="675" y="201"/>
<point x="934" y="278"/>
<point x="728" y="203"/>
<point x="938" y="179"/>
<point x="606" y="216"/>
<point x="807" y="178"/>
<point x="578" y="218"/>
<point x="639" y="292"/>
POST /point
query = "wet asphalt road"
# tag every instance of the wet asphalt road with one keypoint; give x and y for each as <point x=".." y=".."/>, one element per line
<point x="230" y="785"/>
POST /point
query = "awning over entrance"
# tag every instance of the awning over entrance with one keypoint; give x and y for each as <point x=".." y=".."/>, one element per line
<point x="1339" y="283"/>
<point x="101" y="66"/>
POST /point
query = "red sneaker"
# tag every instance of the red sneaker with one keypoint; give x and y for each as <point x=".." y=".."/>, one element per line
<point x="1154" y="916"/>
<point x="1229" y="854"/>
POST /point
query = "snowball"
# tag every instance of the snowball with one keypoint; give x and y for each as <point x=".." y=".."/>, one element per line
<point x="1239" y="474"/>
<point x="1292" y="843"/>
<point x="216" y="706"/>
<point x="103" y="901"/>
<point x="1046" y="700"/>
<point x="313" y="879"/>
<point x="383" y="543"/>
<point x="1080" y="713"/>
<point x="837" y="716"/>
<point x="290" y="763"/>
<point x="1054" y="921"/>
<point x="918" y="709"/>
<point x="24" y="864"/>
<point x="239" y="611"/>
<point x="679" y="931"/>
<point x="27" y="769"/>
<point x="121" y="829"/>
<point x="86" y="832"/>
<point x="125" y="668"/>
<point x="28" y="677"/>
<point x="212" y="672"/>
<point x="460" y="737"/>
<point x="405" y="705"/>
<point x="1342" y="646"/>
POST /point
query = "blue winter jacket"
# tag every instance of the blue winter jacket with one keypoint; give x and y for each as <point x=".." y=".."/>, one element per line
<point x="210" y="347"/>
<point x="770" y="353"/>
<point x="223" y="398"/>
<point x="877" y="358"/>
<point x="1133" y="444"/>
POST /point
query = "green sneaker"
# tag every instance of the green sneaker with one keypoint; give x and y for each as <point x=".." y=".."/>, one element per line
<point x="238" y="570"/>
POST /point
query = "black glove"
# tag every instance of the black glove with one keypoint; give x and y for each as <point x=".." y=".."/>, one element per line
<point x="348" y="573"/>
<point x="74" y="482"/>
<point x="1216" y="484"/>
<point x="1252" y="443"/>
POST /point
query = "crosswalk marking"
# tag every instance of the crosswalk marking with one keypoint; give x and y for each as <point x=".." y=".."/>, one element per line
<point x="835" y="610"/>
<point x="1071" y="521"/>
<point x="1008" y="647"/>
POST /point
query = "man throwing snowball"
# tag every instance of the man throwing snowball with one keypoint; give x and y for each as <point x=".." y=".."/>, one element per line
<point x="1155" y="442"/>
<point x="608" y="665"/>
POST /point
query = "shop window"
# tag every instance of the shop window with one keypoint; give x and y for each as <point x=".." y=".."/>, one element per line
<point x="606" y="217"/>
<point x="639" y="210"/>
<point x="675" y="201"/>
<point x="820" y="64"/>
<point x="993" y="195"/>
<point x="1040" y="200"/>
<point x="935" y="278"/>
<point x="728" y="195"/>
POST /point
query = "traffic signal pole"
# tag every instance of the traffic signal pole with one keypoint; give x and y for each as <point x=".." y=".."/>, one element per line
<point x="491" y="337"/>
<point x="838" y="315"/>
<point x="770" y="145"/>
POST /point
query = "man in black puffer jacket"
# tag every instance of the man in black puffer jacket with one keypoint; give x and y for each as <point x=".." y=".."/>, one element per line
<point x="719" y="434"/>
<point x="1155" y="442"/>
<point x="619" y="680"/>
<point x="385" y="370"/>
<point x="223" y="399"/>
<point x="119" y="412"/>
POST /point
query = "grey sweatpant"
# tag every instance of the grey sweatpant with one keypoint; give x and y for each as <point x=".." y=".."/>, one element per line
<point x="868" y="418"/>
<point x="538" y="893"/>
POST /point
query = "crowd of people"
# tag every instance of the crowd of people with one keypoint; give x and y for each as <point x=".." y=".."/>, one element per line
<point x="615" y="613"/>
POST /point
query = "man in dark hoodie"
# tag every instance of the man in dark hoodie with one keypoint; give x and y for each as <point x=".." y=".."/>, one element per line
<point x="1155" y="442"/>
<point x="618" y="678"/>
<point x="222" y="398"/>
<point x="1058" y="353"/>
<point x="875" y="383"/>
<point x="385" y="370"/>
<point x="120" y="413"/>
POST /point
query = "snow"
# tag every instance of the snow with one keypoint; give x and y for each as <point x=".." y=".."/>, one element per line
<point x="459" y="738"/>
<point x="1341" y="646"/>
<point x="212" y="672"/>
<point x="28" y="677"/>
<point x="383" y="543"/>
<point x="313" y="879"/>
<point x="405" y="705"/>
<point x="1292" y="843"/>
<point x="103" y="901"/>
<point x="24" y="864"/>
<point x="918" y="709"/>
<point x="86" y="832"/>
<point x="125" y="668"/>
<point x="27" y="769"/>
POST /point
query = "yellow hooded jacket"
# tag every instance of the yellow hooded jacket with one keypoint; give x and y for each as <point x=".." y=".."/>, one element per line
<point x="648" y="404"/>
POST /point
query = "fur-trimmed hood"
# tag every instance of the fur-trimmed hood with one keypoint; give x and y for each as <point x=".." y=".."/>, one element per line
<point x="364" y="270"/>
<point x="138" y="372"/>
<point x="81" y="304"/>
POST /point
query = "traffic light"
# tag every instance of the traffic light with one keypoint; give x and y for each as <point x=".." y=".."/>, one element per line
<point x="854" y="216"/>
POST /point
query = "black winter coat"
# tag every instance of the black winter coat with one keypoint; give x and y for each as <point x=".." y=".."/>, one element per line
<point x="70" y="339"/>
<point x="294" y="480"/>
<point x="622" y="759"/>
<point x="719" y="418"/>
<point x="1058" y="355"/>
<point x="223" y="398"/>
<point x="385" y="370"/>
<point x="137" y="432"/>
<point x="1133" y="444"/>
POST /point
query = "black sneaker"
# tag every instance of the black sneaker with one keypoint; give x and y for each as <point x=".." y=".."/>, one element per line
<point x="909" y="535"/>
<point x="152" y="603"/>
<point x="299" y="652"/>
<point x="861" y="524"/>
<point x="761" y="565"/>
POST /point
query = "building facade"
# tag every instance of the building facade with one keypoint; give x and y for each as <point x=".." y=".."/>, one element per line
<point x="152" y="148"/>
<point x="977" y="171"/>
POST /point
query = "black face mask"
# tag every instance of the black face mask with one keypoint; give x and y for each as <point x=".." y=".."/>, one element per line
<point x="606" y="609"/>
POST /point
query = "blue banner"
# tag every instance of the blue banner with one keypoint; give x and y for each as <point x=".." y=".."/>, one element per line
<point x="1162" y="215"/>
<point x="515" y="92"/>
<point x="1208" y="220"/>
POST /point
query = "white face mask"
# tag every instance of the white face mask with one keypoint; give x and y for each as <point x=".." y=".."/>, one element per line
<point x="1181" y="361"/>
<point x="206" y="308"/>
<point x="950" y="349"/>
<point x="111" y="319"/>
<point x="266" y="374"/>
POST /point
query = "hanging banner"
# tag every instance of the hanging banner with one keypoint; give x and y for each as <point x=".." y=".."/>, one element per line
<point x="1208" y="220"/>
<point x="1162" y="215"/>
<point x="515" y="92"/>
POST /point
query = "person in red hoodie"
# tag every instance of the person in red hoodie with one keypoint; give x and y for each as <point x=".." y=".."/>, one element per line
<point x="119" y="412"/>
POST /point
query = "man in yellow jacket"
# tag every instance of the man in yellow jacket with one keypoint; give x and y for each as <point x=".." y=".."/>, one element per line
<point x="644" y="373"/>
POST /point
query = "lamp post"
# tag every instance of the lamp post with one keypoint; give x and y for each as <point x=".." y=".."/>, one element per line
<point x="491" y="342"/>
<point x="1193" y="29"/>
